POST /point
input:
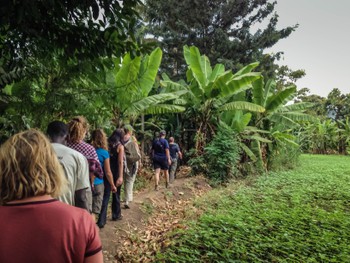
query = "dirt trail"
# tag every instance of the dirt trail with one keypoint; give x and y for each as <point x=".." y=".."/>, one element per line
<point x="147" y="206"/>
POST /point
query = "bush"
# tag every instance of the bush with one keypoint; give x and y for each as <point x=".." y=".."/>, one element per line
<point x="219" y="161"/>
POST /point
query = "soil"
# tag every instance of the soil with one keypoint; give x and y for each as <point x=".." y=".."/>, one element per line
<point x="148" y="207"/>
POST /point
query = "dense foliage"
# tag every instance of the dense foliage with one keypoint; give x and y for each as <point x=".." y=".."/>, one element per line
<point x="329" y="133"/>
<point x="294" y="216"/>
<point x="220" y="158"/>
<point x="228" y="32"/>
<point x="77" y="30"/>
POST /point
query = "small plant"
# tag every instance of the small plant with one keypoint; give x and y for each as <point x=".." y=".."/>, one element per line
<point x="147" y="207"/>
<point x="284" y="158"/>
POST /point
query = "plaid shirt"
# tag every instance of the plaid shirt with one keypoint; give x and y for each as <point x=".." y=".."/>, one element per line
<point x="85" y="149"/>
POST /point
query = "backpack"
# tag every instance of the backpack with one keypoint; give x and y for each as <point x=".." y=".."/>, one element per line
<point x="158" y="146"/>
<point x="132" y="153"/>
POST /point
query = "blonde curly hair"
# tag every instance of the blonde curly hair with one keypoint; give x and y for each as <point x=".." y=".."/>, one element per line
<point x="29" y="167"/>
<point x="77" y="129"/>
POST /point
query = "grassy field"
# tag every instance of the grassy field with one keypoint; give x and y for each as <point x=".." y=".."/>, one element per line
<point x="300" y="215"/>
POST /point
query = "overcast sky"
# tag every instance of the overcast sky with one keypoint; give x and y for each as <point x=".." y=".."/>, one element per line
<point x="321" y="44"/>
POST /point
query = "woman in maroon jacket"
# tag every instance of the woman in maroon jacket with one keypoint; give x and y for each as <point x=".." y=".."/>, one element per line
<point x="37" y="227"/>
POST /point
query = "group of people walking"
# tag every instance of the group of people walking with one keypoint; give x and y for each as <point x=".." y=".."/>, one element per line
<point x="165" y="155"/>
<point x="36" y="173"/>
<point x="107" y="166"/>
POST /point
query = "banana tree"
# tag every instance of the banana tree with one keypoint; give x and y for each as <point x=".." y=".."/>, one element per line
<point x="343" y="135"/>
<point x="210" y="91"/>
<point x="279" y="117"/>
<point x="132" y="82"/>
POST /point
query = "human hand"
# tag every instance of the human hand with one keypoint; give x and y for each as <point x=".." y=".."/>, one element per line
<point x="114" y="188"/>
<point x="169" y="161"/>
<point x="119" y="181"/>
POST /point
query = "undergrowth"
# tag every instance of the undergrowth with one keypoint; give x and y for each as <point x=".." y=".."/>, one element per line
<point x="300" y="215"/>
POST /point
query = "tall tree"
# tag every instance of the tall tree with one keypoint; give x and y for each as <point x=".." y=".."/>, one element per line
<point x="70" y="29"/>
<point x="220" y="29"/>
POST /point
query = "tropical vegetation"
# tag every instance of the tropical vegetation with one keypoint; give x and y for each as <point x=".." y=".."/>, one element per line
<point x="114" y="77"/>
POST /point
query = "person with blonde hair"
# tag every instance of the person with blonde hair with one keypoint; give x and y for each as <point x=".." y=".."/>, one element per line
<point x="77" y="130"/>
<point x="99" y="141"/>
<point x="37" y="227"/>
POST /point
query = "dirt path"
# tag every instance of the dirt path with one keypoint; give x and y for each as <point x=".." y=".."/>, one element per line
<point x="149" y="205"/>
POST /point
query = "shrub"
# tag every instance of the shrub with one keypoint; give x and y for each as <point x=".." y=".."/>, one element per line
<point x="219" y="161"/>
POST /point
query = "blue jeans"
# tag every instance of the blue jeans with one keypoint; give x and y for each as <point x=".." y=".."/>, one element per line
<point x="116" y="211"/>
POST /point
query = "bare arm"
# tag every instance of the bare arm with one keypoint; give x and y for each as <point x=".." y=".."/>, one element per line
<point x="180" y="154"/>
<point x="109" y="175"/>
<point x="97" y="258"/>
<point x="92" y="178"/>
<point x="167" y="153"/>
<point x="120" y="165"/>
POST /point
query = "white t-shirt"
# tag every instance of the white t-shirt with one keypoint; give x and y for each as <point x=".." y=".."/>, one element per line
<point x="76" y="169"/>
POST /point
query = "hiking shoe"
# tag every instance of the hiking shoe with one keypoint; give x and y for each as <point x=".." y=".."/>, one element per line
<point x="156" y="188"/>
<point x="166" y="185"/>
<point x="118" y="218"/>
<point x="126" y="206"/>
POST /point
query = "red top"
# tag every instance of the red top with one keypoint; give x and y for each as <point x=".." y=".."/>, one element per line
<point x="46" y="231"/>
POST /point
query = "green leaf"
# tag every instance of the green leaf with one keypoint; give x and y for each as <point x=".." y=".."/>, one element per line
<point x="246" y="69"/>
<point x="283" y="120"/>
<point x="164" y="108"/>
<point x="238" y="83"/>
<point x="258" y="91"/>
<point x="269" y="89"/>
<point x="148" y="70"/>
<point x="218" y="70"/>
<point x="199" y="65"/>
<point x="140" y="106"/>
<point x="296" y="107"/>
<point x="248" y="152"/>
<point x="237" y="120"/>
<point x="242" y="105"/>
<point x="279" y="99"/>
<point x="260" y="139"/>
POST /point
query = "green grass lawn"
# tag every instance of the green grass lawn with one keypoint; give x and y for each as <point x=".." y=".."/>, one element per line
<point x="301" y="215"/>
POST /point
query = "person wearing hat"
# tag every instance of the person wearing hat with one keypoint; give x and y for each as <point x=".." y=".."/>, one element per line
<point x="161" y="158"/>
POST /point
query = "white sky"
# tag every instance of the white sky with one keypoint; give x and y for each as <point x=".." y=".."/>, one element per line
<point x="320" y="45"/>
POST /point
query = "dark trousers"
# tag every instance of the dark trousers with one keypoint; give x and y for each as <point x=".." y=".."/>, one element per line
<point x="116" y="211"/>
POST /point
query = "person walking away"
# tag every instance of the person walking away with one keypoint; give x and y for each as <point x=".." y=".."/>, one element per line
<point x="77" y="130"/>
<point x="99" y="141"/>
<point x="116" y="153"/>
<point x="36" y="227"/>
<point x="75" y="166"/>
<point x="133" y="162"/>
<point x="161" y="158"/>
<point x="175" y="153"/>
